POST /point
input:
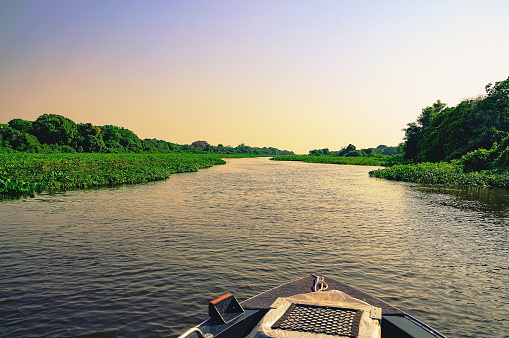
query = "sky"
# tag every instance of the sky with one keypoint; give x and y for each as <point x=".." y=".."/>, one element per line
<point x="294" y="75"/>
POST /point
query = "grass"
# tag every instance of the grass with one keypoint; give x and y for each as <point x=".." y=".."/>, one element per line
<point x="23" y="174"/>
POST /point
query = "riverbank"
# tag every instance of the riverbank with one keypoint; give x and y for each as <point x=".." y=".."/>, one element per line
<point x="380" y="160"/>
<point x="428" y="173"/>
<point x="23" y="174"/>
<point x="443" y="173"/>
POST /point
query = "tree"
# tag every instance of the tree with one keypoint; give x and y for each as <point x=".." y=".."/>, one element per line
<point x="442" y="133"/>
<point x="417" y="132"/>
<point x="111" y="138"/>
<point x="243" y="149"/>
<point x="348" y="149"/>
<point x="384" y="150"/>
<point x="497" y="98"/>
<point x="502" y="161"/>
<point x="26" y="142"/>
<point x="130" y="141"/>
<point x="6" y="135"/>
<point x="118" y="140"/>
<point x="89" y="139"/>
<point x="355" y="153"/>
<point x="17" y="140"/>
<point x="318" y="152"/>
<point x="21" y="125"/>
<point x="476" y="160"/>
<point x="156" y="146"/>
<point x="200" y="144"/>
<point x="54" y="129"/>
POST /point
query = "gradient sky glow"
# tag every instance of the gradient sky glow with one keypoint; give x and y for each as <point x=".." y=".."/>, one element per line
<point x="295" y="75"/>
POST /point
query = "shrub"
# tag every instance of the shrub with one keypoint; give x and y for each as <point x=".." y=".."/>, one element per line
<point x="476" y="160"/>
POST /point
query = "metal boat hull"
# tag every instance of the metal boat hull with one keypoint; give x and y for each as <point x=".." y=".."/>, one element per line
<point x="395" y="323"/>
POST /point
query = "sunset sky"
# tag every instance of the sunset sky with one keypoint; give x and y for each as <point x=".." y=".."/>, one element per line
<point x="295" y="75"/>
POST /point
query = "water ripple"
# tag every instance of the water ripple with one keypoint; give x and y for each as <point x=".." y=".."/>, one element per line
<point x="144" y="260"/>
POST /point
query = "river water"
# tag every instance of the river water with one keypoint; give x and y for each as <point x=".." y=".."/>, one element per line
<point x="144" y="260"/>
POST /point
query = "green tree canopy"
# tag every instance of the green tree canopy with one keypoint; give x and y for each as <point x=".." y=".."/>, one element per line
<point x="441" y="133"/>
<point x="18" y="140"/>
<point x="55" y="133"/>
<point x="89" y="139"/>
<point x="21" y="125"/>
<point x="54" y="129"/>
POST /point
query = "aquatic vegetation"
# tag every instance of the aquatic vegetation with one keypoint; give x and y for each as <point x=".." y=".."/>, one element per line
<point x="380" y="160"/>
<point x="443" y="173"/>
<point x="23" y="174"/>
<point x="16" y="188"/>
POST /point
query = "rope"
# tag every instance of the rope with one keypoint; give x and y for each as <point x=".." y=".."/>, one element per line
<point x="320" y="284"/>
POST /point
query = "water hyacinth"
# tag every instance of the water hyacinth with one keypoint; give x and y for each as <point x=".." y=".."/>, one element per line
<point x="15" y="187"/>
<point x="23" y="174"/>
<point x="331" y="159"/>
<point x="443" y="173"/>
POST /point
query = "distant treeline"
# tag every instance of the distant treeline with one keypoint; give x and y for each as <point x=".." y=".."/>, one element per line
<point x="55" y="133"/>
<point x="474" y="134"/>
<point x="352" y="151"/>
<point x="379" y="156"/>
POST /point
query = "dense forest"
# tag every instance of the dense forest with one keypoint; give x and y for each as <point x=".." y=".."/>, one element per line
<point x="55" y="133"/>
<point x="474" y="134"/>
<point x="464" y="145"/>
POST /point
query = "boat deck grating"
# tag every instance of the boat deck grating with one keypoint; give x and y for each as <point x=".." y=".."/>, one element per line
<point x="320" y="319"/>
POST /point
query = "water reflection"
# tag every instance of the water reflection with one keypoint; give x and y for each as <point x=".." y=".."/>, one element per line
<point x="144" y="260"/>
<point x="493" y="201"/>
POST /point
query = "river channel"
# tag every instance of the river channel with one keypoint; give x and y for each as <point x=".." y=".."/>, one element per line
<point x="144" y="260"/>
